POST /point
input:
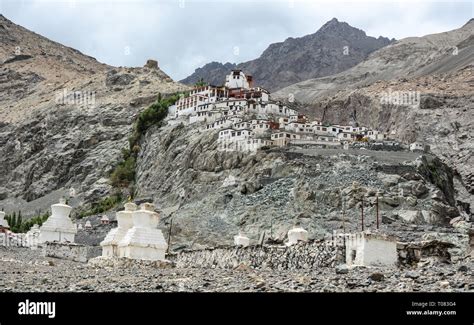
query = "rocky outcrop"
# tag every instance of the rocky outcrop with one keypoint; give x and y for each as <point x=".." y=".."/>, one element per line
<point x="64" y="120"/>
<point x="211" y="195"/>
<point x="443" y="120"/>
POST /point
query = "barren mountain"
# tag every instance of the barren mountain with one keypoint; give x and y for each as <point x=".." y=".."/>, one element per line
<point x="335" y="47"/>
<point x="409" y="57"/>
<point x="64" y="118"/>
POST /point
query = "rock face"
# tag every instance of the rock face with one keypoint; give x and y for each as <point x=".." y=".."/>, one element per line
<point x="180" y="169"/>
<point x="446" y="127"/>
<point x="62" y="132"/>
<point x="435" y="68"/>
<point x="335" y="47"/>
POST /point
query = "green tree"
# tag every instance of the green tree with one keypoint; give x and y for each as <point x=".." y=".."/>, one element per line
<point x="200" y="83"/>
<point x="123" y="175"/>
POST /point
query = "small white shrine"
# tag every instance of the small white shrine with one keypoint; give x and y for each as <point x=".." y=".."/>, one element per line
<point x="144" y="241"/>
<point x="59" y="226"/>
<point x="109" y="245"/>
<point x="104" y="220"/>
<point x="3" y="222"/>
<point x="88" y="225"/>
<point x="297" y="234"/>
<point x="79" y="226"/>
<point x="371" y="249"/>
<point x="32" y="237"/>
<point x="241" y="240"/>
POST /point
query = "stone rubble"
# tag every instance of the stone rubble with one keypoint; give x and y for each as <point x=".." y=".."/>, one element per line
<point x="23" y="270"/>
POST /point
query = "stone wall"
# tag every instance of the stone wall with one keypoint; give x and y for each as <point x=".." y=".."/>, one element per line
<point x="70" y="251"/>
<point x="301" y="256"/>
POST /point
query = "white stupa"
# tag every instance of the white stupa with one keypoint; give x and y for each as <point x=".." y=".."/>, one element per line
<point x="32" y="237"/>
<point x="297" y="234"/>
<point x="109" y="245"/>
<point x="3" y="222"/>
<point x="58" y="227"/>
<point x="88" y="225"/>
<point x="79" y="226"/>
<point x="144" y="241"/>
<point x="104" y="220"/>
<point x="241" y="240"/>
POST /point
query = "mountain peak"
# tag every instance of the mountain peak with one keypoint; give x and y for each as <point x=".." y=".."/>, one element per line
<point x="335" y="26"/>
<point x="301" y="58"/>
<point x="333" y="21"/>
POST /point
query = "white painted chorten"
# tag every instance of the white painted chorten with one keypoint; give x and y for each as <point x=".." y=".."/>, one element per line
<point x="144" y="241"/>
<point x="241" y="240"/>
<point x="32" y="237"/>
<point x="88" y="225"/>
<point x="297" y="234"/>
<point x="3" y="222"/>
<point x="58" y="227"/>
<point x="109" y="245"/>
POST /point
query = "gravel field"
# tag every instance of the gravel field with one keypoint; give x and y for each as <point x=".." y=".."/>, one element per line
<point x="24" y="270"/>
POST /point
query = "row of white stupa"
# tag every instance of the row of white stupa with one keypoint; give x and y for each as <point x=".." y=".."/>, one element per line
<point x="136" y="237"/>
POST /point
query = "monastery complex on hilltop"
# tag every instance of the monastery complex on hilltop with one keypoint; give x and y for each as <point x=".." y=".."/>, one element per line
<point x="247" y="119"/>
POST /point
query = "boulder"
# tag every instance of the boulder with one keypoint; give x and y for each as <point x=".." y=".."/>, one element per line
<point x="411" y="216"/>
<point x="342" y="269"/>
<point x="418" y="189"/>
<point x="118" y="79"/>
<point x="389" y="180"/>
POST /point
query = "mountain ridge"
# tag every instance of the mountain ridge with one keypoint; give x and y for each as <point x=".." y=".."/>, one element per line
<point x="318" y="54"/>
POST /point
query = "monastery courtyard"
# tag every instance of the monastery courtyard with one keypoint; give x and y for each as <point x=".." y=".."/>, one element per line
<point x="22" y="269"/>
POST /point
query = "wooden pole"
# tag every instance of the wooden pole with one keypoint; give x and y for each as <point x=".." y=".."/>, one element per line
<point x="362" y="212"/>
<point x="377" y="209"/>
<point x="263" y="239"/>
<point x="169" y="236"/>
<point x="343" y="221"/>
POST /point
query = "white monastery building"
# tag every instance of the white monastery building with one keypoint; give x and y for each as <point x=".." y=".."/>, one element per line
<point x="247" y="119"/>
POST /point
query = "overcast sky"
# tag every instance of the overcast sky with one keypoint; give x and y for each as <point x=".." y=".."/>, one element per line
<point x="185" y="34"/>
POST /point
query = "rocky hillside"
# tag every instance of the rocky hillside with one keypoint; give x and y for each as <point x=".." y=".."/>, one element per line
<point x="296" y="59"/>
<point x="211" y="195"/>
<point x="436" y="67"/>
<point x="444" y="119"/>
<point x="64" y="119"/>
